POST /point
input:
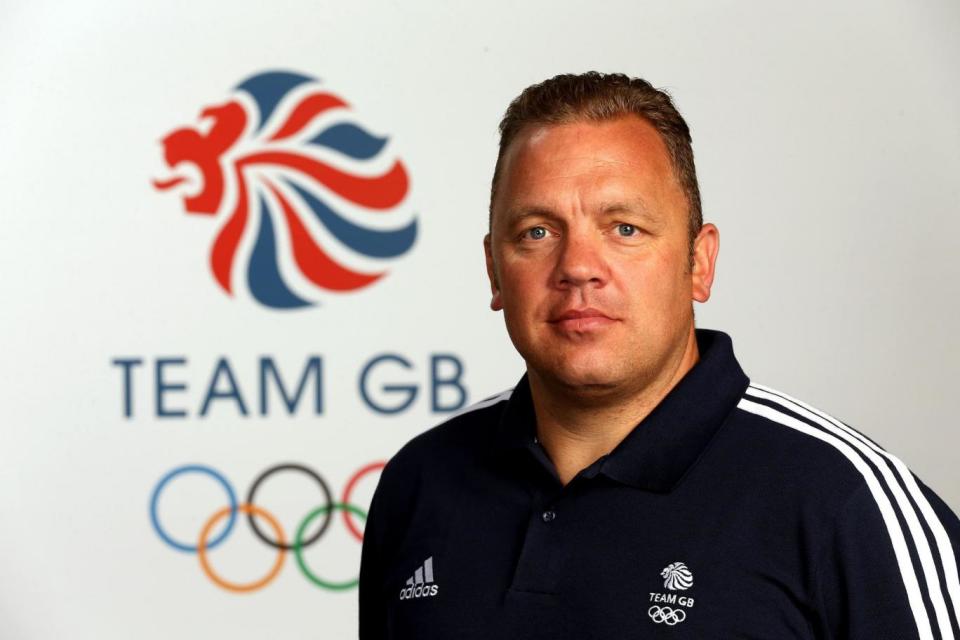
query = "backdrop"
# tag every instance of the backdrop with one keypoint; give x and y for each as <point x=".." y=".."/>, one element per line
<point x="241" y="262"/>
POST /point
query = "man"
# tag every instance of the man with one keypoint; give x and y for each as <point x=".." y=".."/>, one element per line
<point x="634" y="484"/>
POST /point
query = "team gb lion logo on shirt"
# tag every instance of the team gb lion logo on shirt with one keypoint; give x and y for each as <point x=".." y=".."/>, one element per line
<point x="306" y="199"/>
<point x="676" y="576"/>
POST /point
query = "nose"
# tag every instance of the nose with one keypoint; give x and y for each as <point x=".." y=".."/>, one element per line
<point x="581" y="261"/>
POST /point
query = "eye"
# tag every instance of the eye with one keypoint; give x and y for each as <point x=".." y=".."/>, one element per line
<point x="535" y="233"/>
<point x="627" y="230"/>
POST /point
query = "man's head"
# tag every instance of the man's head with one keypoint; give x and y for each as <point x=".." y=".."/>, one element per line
<point x="596" y="97"/>
<point x="596" y="247"/>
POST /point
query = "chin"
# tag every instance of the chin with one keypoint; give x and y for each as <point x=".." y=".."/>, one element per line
<point x="591" y="380"/>
<point x="582" y="369"/>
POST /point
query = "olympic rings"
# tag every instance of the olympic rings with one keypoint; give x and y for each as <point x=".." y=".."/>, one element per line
<point x="290" y="467"/>
<point x="249" y="509"/>
<point x="349" y="489"/>
<point x="279" y="541"/>
<point x="298" y="547"/>
<point x="192" y="468"/>
<point x="666" y="615"/>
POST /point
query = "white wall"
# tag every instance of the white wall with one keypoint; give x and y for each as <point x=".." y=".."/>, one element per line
<point x="827" y="138"/>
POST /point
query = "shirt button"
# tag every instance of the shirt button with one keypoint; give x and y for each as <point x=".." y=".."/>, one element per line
<point x="549" y="516"/>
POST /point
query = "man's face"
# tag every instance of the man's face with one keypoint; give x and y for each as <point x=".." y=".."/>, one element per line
<point x="589" y="255"/>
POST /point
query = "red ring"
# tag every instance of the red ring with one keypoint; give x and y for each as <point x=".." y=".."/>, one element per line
<point x="354" y="479"/>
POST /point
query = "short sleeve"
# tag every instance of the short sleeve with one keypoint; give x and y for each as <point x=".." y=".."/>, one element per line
<point x="890" y="567"/>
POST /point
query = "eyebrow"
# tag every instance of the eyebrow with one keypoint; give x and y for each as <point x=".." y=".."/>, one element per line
<point x="636" y="206"/>
<point x="520" y="214"/>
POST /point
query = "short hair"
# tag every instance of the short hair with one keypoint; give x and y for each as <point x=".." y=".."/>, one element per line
<point x="595" y="96"/>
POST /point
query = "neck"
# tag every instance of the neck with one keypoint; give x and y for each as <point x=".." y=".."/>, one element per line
<point x="576" y="429"/>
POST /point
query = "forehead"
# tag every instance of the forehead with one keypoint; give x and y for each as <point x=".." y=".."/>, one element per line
<point x="591" y="162"/>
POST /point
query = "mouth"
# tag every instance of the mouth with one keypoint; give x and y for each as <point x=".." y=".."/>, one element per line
<point x="168" y="183"/>
<point x="581" y="320"/>
<point x="183" y="174"/>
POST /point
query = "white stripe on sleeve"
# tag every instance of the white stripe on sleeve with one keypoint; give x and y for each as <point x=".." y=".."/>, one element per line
<point x="947" y="558"/>
<point x="886" y="509"/>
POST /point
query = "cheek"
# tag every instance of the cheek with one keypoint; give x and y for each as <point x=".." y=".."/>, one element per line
<point x="521" y="284"/>
<point x="659" y="284"/>
<point x="520" y="304"/>
<point x="524" y="299"/>
<point x="515" y="298"/>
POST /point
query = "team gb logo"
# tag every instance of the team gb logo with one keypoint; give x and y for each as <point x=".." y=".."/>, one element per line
<point x="306" y="200"/>
<point x="676" y="576"/>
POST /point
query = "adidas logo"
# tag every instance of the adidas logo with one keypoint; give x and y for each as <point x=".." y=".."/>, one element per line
<point x="420" y="584"/>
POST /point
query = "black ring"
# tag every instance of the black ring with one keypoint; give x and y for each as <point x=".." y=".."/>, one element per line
<point x="291" y="467"/>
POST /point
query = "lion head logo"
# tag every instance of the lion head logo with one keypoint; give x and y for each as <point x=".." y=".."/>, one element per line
<point x="676" y="576"/>
<point x="307" y="200"/>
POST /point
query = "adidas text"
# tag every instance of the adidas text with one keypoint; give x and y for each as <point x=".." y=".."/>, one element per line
<point x="420" y="591"/>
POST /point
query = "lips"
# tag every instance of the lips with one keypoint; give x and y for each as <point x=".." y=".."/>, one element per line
<point x="581" y="320"/>
<point x="163" y="185"/>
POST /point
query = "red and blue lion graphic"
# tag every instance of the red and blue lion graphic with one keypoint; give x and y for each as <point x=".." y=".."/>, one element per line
<point x="309" y="200"/>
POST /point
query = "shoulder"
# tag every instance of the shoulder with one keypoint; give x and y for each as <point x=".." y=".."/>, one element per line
<point x="832" y="449"/>
<point x="463" y="434"/>
<point x="425" y="474"/>
<point x="889" y="538"/>
<point x="842" y="465"/>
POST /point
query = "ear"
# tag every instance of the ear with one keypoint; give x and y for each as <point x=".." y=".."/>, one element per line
<point x="705" y="250"/>
<point x="495" y="303"/>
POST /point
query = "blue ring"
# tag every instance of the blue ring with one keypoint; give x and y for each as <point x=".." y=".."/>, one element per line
<point x="196" y="468"/>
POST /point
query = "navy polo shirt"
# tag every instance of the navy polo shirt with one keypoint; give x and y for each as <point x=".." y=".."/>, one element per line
<point x="731" y="511"/>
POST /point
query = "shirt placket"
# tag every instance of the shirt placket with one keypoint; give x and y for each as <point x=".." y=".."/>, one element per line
<point x="545" y="545"/>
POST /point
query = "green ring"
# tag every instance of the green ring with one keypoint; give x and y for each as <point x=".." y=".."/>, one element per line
<point x="298" y="546"/>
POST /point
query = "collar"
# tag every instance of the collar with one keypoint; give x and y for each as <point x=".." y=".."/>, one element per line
<point x="669" y="441"/>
